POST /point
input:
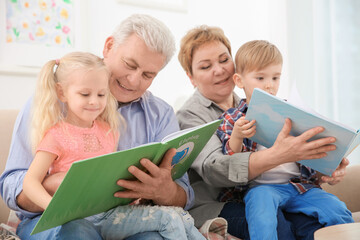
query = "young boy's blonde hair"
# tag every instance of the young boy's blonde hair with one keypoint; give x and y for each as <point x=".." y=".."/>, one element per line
<point x="256" y="55"/>
<point x="48" y="110"/>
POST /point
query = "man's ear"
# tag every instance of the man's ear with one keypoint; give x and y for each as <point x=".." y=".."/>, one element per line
<point x="60" y="92"/>
<point x="109" y="44"/>
<point x="238" y="80"/>
<point x="191" y="79"/>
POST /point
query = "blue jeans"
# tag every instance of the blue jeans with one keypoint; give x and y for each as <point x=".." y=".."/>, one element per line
<point x="169" y="222"/>
<point x="265" y="200"/>
<point x="77" y="229"/>
<point x="234" y="213"/>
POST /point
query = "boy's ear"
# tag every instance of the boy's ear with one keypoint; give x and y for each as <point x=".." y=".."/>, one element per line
<point x="191" y="79"/>
<point x="60" y="92"/>
<point x="109" y="44"/>
<point x="238" y="80"/>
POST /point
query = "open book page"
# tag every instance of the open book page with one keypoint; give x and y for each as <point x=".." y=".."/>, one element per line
<point x="354" y="144"/>
<point x="296" y="100"/>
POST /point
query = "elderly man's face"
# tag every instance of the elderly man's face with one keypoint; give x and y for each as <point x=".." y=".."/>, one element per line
<point x="133" y="67"/>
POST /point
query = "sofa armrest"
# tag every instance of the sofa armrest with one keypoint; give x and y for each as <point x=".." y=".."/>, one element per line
<point x="7" y="120"/>
<point x="348" y="189"/>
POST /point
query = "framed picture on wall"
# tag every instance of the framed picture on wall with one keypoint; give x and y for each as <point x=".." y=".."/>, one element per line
<point x="33" y="32"/>
<point x="169" y="5"/>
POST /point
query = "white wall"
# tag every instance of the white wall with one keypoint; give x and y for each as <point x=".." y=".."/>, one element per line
<point x="291" y="25"/>
<point x="242" y="20"/>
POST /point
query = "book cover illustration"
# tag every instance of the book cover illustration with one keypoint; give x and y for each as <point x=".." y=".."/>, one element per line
<point x="270" y="113"/>
<point x="89" y="185"/>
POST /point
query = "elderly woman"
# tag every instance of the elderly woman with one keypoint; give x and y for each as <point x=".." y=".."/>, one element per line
<point x="205" y="55"/>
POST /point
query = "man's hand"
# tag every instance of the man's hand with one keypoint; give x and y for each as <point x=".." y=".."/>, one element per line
<point x="156" y="184"/>
<point x="337" y="176"/>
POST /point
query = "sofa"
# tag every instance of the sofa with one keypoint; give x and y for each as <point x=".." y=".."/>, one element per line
<point x="347" y="190"/>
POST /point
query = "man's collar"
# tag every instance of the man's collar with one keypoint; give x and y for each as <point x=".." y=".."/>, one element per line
<point x="120" y="104"/>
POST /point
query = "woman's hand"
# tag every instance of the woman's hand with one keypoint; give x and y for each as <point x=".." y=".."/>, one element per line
<point x="291" y="149"/>
<point x="337" y="176"/>
<point x="288" y="148"/>
<point x="156" y="184"/>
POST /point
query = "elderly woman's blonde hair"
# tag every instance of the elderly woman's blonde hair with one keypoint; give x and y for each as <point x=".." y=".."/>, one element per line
<point x="256" y="55"/>
<point x="195" y="38"/>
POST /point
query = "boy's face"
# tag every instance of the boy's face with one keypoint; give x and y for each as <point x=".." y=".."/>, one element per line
<point x="267" y="79"/>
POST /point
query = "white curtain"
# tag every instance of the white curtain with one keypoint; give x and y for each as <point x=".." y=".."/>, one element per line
<point x="324" y="50"/>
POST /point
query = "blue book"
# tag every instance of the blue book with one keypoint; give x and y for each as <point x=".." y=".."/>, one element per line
<point x="270" y="113"/>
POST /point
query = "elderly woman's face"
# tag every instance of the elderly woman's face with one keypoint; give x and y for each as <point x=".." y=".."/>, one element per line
<point x="213" y="69"/>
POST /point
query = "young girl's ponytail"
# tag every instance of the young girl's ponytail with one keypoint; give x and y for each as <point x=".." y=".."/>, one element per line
<point x="46" y="110"/>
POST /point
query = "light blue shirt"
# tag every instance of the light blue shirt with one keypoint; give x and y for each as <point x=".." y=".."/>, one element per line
<point x="148" y="119"/>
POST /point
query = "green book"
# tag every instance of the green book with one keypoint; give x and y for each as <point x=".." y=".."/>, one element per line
<point x="89" y="185"/>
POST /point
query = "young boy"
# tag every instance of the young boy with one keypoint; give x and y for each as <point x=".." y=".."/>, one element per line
<point x="290" y="186"/>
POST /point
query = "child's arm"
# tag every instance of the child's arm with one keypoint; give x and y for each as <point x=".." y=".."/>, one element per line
<point x="34" y="177"/>
<point x="242" y="129"/>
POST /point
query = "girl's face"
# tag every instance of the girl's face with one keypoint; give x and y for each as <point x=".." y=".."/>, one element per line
<point x="267" y="79"/>
<point x="213" y="69"/>
<point x="85" y="94"/>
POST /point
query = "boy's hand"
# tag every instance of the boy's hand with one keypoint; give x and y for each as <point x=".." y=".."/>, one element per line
<point x="244" y="128"/>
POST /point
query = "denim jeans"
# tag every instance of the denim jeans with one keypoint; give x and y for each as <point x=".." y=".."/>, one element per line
<point x="170" y="222"/>
<point x="77" y="229"/>
<point x="265" y="200"/>
<point x="130" y="223"/>
<point x="234" y="213"/>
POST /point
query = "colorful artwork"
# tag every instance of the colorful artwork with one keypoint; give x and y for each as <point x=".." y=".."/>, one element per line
<point x="45" y="22"/>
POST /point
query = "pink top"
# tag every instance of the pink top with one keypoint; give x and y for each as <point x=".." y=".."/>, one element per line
<point x="71" y="143"/>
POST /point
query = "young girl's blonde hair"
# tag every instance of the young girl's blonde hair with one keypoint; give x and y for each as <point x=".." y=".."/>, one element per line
<point x="48" y="110"/>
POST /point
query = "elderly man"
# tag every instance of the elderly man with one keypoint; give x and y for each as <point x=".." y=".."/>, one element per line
<point x="137" y="50"/>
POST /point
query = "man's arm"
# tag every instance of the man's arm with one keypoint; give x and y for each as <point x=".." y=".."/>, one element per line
<point x="161" y="121"/>
<point x="18" y="162"/>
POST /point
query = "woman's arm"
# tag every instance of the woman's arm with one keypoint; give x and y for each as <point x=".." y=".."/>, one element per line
<point x="212" y="165"/>
<point x="32" y="186"/>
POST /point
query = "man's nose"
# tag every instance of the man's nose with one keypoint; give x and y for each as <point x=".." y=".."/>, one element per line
<point x="134" y="78"/>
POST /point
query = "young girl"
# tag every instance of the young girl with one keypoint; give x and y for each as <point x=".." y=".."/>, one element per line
<point x="75" y="117"/>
